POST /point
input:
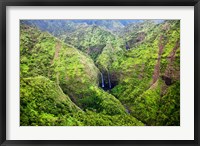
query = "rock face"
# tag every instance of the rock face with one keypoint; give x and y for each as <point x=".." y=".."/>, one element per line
<point x="150" y="72"/>
<point x="157" y="66"/>
<point x="171" y="73"/>
<point x="87" y="76"/>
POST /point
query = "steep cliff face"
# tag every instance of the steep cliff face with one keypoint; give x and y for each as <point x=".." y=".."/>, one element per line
<point x="70" y="69"/>
<point x="91" y="40"/>
<point x="48" y="56"/>
<point x="149" y="73"/>
<point x="131" y="73"/>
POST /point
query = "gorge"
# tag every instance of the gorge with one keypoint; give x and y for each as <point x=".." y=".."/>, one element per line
<point x="99" y="72"/>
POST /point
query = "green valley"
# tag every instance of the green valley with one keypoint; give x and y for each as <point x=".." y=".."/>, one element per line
<point x="99" y="72"/>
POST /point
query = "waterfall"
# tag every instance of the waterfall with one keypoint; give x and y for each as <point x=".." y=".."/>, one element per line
<point x="109" y="81"/>
<point x="102" y="81"/>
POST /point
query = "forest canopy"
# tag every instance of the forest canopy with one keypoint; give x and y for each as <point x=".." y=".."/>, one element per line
<point x="99" y="72"/>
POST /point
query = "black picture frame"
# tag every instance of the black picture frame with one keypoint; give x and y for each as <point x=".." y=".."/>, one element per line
<point x="5" y="3"/>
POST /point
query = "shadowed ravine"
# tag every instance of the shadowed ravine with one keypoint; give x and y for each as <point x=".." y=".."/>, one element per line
<point x="99" y="73"/>
<point x="105" y="81"/>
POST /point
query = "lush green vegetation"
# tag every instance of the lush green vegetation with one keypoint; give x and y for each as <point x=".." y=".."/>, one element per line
<point x="99" y="73"/>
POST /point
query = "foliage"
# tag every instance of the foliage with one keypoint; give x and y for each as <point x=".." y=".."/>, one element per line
<point x="42" y="102"/>
<point x="60" y="76"/>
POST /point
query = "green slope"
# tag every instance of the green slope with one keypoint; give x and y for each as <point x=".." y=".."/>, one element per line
<point x="42" y="103"/>
<point x="90" y="39"/>
<point x="145" y="79"/>
<point x="148" y="73"/>
<point x="61" y="68"/>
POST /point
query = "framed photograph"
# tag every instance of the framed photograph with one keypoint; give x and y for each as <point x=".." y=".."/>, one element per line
<point x="99" y="72"/>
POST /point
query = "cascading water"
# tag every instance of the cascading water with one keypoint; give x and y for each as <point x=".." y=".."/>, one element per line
<point x="109" y="82"/>
<point x="102" y="81"/>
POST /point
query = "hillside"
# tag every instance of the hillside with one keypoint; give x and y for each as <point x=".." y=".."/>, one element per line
<point x="95" y="73"/>
<point x="51" y="69"/>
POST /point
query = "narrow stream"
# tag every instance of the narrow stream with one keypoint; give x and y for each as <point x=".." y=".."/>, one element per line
<point x="102" y="81"/>
<point x="109" y="82"/>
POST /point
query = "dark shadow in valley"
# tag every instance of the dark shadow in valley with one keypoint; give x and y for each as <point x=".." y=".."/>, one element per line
<point x="107" y="81"/>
